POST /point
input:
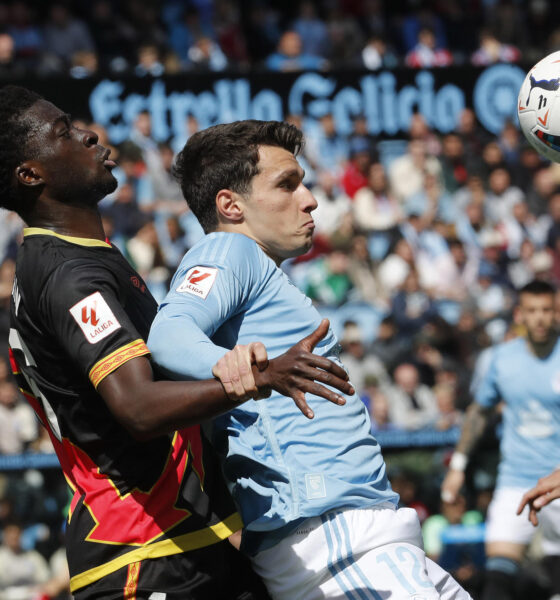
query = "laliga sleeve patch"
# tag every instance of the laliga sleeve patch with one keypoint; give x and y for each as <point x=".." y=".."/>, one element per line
<point x="198" y="281"/>
<point x="94" y="317"/>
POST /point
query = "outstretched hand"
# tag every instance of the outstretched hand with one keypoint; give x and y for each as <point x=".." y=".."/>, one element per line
<point x="546" y="490"/>
<point x="298" y="371"/>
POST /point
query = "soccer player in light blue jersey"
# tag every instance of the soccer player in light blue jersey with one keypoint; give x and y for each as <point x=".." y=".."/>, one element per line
<point x="320" y="516"/>
<point x="524" y="373"/>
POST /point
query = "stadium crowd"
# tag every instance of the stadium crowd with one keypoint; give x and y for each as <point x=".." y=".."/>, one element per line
<point x="147" y="37"/>
<point x="419" y="246"/>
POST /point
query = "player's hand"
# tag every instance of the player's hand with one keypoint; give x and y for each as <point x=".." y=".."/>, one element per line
<point x="546" y="490"/>
<point x="235" y="371"/>
<point x="298" y="371"/>
<point x="451" y="485"/>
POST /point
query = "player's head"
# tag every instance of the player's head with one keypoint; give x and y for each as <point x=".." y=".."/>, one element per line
<point x="536" y="310"/>
<point x="43" y="155"/>
<point x="244" y="177"/>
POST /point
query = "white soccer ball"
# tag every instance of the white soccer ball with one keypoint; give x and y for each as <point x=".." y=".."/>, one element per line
<point x="538" y="107"/>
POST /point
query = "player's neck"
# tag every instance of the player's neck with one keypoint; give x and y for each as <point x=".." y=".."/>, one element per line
<point x="543" y="349"/>
<point x="75" y="221"/>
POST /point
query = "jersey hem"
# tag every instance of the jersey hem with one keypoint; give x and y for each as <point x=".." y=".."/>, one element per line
<point x="182" y="543"/>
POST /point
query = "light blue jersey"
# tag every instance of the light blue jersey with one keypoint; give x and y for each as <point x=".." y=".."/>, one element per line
<point x="530" y="388"/>
<point x="279" y="465"/>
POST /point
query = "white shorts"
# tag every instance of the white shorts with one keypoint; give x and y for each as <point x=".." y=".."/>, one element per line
<point x="367" y="554"/>
<point x="504" y="525"/>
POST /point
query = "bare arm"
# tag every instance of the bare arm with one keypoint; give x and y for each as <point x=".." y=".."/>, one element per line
<point x="148" y="408"/>
<point x="476" y="420"/>
<point x="546" y="490"/>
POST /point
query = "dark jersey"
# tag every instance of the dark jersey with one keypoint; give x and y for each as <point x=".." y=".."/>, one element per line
<point x="78" y="312"/>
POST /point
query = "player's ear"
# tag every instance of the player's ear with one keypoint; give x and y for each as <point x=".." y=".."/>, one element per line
<point x="29" y="174"/>
<point x="229" y="206"/>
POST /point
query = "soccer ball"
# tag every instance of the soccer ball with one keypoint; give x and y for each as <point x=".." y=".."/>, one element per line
<point x="538" y="107"/>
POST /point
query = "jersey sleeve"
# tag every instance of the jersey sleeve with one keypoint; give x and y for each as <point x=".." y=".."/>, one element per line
<point x="81" y="307"/>
<point x="204" y="294"/>
<point x="485" y="390"/>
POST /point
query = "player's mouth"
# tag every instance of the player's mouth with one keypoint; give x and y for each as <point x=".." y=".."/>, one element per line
<point x="105" y="158"/>
<point x="310" y="225"/>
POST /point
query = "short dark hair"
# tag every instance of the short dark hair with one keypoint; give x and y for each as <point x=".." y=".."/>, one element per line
<point x="14" y="132"/>
<point x="226" y="157"/>
<point x="537" y="287"/>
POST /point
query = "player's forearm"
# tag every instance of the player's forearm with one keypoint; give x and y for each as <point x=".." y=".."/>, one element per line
<point x="148" y="408"/>
<point x="476" y="420"/>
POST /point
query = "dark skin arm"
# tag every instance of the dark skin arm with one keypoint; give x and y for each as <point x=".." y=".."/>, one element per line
<point x="148" y="408"/>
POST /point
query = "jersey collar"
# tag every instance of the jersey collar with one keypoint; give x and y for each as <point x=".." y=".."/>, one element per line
<point x="67" y="238"/>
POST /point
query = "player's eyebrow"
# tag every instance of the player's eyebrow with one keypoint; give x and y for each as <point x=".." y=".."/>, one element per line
<point x="299" y="173"/>
<point x="64" y="118"/>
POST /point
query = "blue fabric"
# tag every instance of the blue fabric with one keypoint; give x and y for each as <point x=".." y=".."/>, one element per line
<point x="279" y="465"/>
<point x="530" y="388"/>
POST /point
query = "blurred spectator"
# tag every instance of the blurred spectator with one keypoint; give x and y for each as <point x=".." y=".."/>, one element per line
<point x="406" y="174"/>
<point x="361" y="269"/>
<point x="332" y="204"/>
<point x="396" y="266"/>
<point x="21" y="571"/>
<point x="206" y="55"/>
<point x="378" y="407"/>
<point x="448" y="416"/>
<point x="185" y="30"/>
<point x="388" y="345"/>
<point x="149" y="61"/>
<point x="26" y="34"/>
<point x="84" y="64"/>
<point x="327" y="150"/>
<point x="290" y="56"/>
<point x="9" y="65"/>
<point x="311" y="30"/>
<point x="411" y="307"/>
<point x="425" y="54"/>
<point x="58" y="585"/>
<point x="420" y="130"/>
<point x="502" y="196"/>
<point x="328" y="281"/>
<point x="412" y="405"/>
<point x="471" y="133"/>
<point x="18" y="426"/>
<point x="376" y="55"/>
<point x="375" y="210"/>
<point x="360" y="364"/>
<point x="346" y="37"/>
<point x="432" y="202"/>
<point x="455" y="167"/>
<point x="64" y="35"/>
<point x="354" y="176"/>
<point x="491" y="51"/>
<point x="521" y="225"/>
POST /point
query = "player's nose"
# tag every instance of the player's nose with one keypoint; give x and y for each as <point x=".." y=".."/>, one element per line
<point x="307" y="200"/>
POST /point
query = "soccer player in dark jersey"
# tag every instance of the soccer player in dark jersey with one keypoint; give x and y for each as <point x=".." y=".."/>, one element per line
<point x="150" y="514"/>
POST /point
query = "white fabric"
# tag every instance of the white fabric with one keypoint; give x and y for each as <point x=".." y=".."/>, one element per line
<point x="359" y="554"/>
<point x="504" y="525"/>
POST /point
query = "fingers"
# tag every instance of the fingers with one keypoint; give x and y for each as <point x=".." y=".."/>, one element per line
<point x="533" y="516"/>
<point x="299" y="386"/>
<point x="235" y="373"/>
<point x="299" y="398"/>
<point x="321" y="362"/>
<point x="308" y="343"/>
<point x="258" y="355"/>
<point x="343" y="385"/>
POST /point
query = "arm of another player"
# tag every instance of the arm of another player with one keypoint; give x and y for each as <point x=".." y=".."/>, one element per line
<point x="546" y="490"/>
<point x="292" y="374"/>
<point x="148" y="408"/>
<point x="476" y="420"/>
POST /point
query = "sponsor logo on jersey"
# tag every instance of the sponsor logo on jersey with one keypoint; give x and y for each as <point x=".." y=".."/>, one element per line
<point x="94" y="317"/>
<point x="198" y="281"/>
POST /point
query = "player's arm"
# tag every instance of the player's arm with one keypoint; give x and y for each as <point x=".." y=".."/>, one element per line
<point x="148" y="408"/>
<point x="476" y="420"/>
<point x="546" y="490"/>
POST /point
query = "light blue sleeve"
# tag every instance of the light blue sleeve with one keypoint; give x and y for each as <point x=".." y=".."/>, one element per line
<point x="487" y="393"/>
<point x="179" y="339"/>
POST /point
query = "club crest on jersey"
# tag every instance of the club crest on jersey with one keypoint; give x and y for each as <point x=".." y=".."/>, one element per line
<point x="94" y="317"/>
<point x="198" y="281"/>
